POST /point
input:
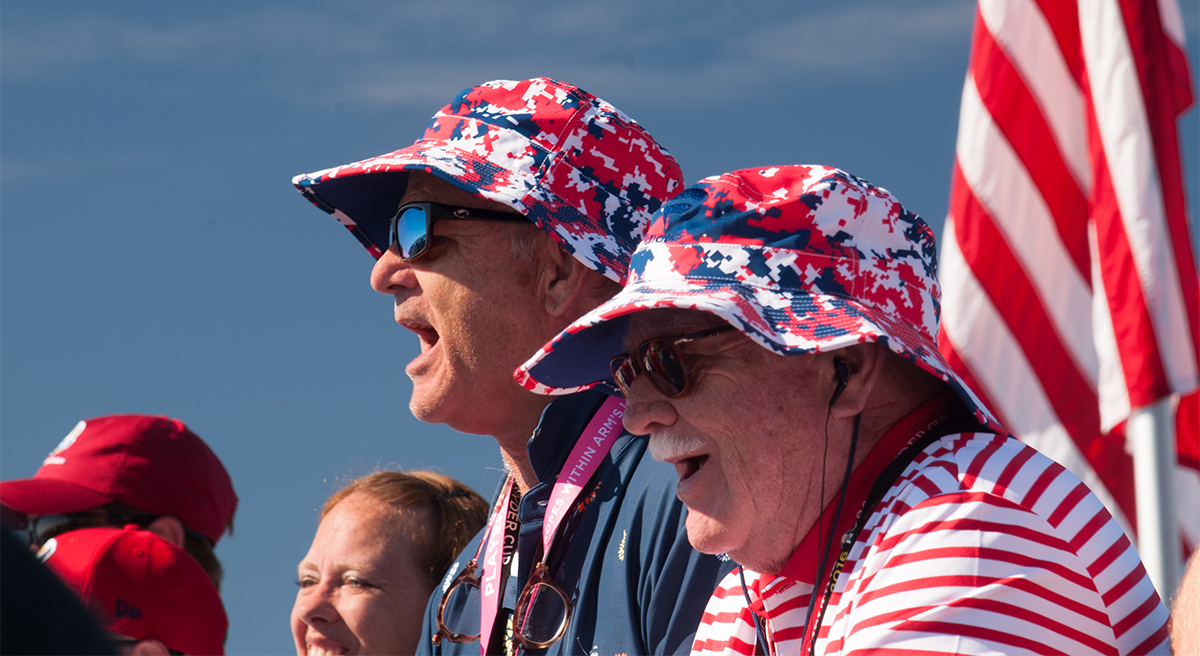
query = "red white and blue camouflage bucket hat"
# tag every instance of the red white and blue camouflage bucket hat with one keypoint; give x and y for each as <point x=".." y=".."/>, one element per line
<point x="575" y="165"/>
<point x="799" y="258"/>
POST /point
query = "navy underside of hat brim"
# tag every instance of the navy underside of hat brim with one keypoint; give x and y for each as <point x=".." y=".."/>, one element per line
<point x="369" y="199"/>
<point x="582" y="358"/>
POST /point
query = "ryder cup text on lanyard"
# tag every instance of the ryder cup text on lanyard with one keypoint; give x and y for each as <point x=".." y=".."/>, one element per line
<point x="589" y="451"/>
<point x="501" y="545"/>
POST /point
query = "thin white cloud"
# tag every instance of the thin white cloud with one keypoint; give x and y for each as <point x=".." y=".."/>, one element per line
<point x="871" y="42"/>
<point x="419" y="54"/>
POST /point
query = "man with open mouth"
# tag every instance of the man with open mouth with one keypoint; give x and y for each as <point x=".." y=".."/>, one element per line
<point x="514" y="215"/>
<point x="777" y="341"/>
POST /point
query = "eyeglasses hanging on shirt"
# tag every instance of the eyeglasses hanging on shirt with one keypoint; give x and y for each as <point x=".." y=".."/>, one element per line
<point x="543" y="609"/>
<point x="457" y="619"/>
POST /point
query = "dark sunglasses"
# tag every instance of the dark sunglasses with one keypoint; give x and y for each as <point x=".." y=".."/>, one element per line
<point x="662" y="359"/>
<point x="126" y="645"/>
<point x="413" y="224"/>
<point x="43" y="527"/>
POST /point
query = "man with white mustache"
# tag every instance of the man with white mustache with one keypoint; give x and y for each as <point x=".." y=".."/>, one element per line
<point x="511" y="217"/>
<point x="776" y="340"/>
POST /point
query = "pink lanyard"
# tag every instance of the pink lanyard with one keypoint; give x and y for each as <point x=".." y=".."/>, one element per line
<point x="501" y="545"/>
<point x="589" y="451"/>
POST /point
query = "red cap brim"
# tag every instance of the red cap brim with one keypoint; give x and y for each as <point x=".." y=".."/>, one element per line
<point x="47" y="496"/>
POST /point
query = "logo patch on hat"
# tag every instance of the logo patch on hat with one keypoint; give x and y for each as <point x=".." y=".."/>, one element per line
<point x="54" y="458"/>
<point x="47" y="549"/>
<point x="126" y="609"/>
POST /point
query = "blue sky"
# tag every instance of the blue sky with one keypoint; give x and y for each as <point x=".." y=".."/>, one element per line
<point x="154" y="257"/>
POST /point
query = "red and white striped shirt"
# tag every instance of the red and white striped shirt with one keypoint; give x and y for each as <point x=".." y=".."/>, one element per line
<point x="982" y="546"/>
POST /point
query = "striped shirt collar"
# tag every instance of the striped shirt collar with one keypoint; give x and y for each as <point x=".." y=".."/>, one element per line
<point x="801" y="566"/>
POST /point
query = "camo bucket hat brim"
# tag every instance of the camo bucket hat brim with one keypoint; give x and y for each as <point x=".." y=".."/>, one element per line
<point x="801" y="259"/>
<point x="572" y="163"/>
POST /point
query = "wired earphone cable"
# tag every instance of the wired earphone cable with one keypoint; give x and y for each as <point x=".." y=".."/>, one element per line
<point x="843" y="379"/>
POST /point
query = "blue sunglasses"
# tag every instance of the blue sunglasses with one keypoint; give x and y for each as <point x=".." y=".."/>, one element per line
<point x="413" y="224"/>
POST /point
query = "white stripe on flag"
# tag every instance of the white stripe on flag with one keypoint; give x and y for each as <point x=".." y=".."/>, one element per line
<point x="1187" y="487"/>
<point x="981" y="338"/>
<point x="1112" y="392"/>
<point x="1002" y="185"/>
<point x="1172" y="21"/>
<point x="1128" y="145"/>
<point x="1021" y="29"/>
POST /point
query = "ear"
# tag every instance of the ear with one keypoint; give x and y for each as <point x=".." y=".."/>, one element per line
<point x="562" y="279"/>
<point x="168" y="528"/>
<point x="150" y="648"/>
<point x="863" y="363"/>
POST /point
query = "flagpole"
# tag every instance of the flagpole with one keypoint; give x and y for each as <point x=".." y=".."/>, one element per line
<point x="1150" y="432"/>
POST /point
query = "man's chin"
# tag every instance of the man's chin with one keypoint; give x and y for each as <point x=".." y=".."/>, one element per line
<point x="435" y="405"/>
<point x="428" y="405"/>
<point x="706" y="534"/>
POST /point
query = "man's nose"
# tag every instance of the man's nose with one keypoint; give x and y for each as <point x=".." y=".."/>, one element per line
<point x="647" y="408"/>
<point x="392" y="275"/>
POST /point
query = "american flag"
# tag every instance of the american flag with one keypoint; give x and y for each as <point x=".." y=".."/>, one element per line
<point x="1069" y="282"/>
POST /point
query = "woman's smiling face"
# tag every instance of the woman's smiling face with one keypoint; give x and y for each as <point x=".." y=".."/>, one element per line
<point x="361" y="592"/>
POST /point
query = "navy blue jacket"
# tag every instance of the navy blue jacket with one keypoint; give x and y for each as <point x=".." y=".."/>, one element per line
<point x="636" y="584"/>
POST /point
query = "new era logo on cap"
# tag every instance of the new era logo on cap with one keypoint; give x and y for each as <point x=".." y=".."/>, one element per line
<point x="126" y="609"/>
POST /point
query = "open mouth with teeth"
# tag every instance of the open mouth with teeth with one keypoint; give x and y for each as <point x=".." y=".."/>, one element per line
<point x="424" y="331"/>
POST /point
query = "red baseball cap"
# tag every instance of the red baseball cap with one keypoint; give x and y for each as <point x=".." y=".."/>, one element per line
<point x="141" y="586"/>
<point x="153" y="463"/>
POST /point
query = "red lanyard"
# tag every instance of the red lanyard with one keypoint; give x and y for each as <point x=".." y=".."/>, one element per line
<point x="957" y="420"/>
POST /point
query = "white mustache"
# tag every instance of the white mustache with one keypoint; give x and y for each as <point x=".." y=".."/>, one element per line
<point x="668" y="445"/>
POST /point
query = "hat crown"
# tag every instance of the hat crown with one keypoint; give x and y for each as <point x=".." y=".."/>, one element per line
<point x="578" y="167"/>
<point x="141" y="586"/>
<point x="798" y="228"/>
<point x="150" y="462"/>
<point x="595" y="176"/>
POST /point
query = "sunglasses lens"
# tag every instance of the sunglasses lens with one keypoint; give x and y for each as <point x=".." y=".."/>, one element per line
<point x="457" y="617"/>
<point x="409" y="232"/>
<point x="665" y="367"/>
<point x="623" y="372"/>
<point x="47" y="526"/>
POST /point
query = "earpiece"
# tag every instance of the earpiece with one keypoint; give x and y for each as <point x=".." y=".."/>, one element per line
<point x="842" y="370"/>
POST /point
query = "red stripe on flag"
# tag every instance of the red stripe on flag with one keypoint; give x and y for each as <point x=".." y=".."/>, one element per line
<point x="1016" y="113"/>
<point x="1187" y="431"/>
<point x="1140" y="359"/>
<point x="1063" y="18"/>
<point x="1064" y="387"/>
<point x="1164" y="90"/>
